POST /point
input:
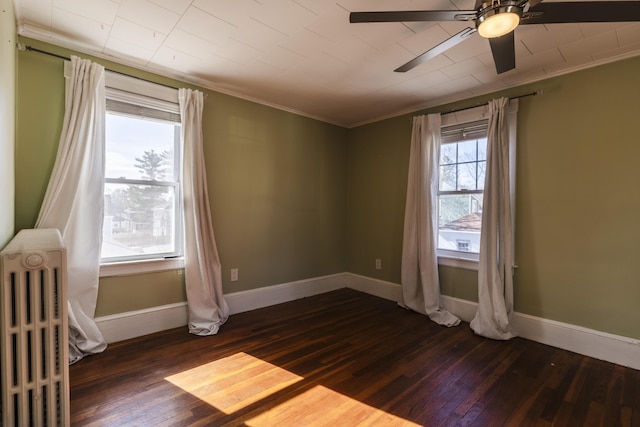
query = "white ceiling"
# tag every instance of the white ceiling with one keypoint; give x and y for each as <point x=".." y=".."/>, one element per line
<point x="305" y="56"/>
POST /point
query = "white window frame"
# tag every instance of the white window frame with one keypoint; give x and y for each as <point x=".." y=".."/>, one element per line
<point x="451" y="134"/>
<point x="454" y="258"/>
<point x="164" y="101"/>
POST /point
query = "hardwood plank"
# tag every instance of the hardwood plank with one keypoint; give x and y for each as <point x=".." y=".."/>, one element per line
<point x="345" y="359"/>
<point x="635" y="413"/>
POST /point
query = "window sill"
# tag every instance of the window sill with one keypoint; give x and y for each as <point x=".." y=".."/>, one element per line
<point x="458" y="262"/>
<point x="140" y="267"/>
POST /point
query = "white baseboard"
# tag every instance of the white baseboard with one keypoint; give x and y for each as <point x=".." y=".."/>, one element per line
<point x="464" y="309"/>
<point x="600" y="345"/>
<point x="122" y="326"/>
<point x="376" y="287"/>
<point x="617" y="349"/>
<point x="242" y="301"/>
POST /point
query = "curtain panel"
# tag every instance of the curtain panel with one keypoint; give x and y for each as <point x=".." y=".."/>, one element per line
<point x="208" y="309"/>
<point x="495" y="268"/>
<point x="73" y="201"/>
<point x="419" y="269"/>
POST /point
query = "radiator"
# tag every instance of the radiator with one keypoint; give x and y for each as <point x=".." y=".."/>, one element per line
<point x="33" y="306"/>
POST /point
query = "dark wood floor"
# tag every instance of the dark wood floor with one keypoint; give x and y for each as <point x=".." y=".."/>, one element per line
<point x="344" y="359"/>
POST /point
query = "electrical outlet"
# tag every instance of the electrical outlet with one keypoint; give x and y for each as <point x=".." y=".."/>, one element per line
<point x="234" y="274"/>
<point x="378" y="264"/>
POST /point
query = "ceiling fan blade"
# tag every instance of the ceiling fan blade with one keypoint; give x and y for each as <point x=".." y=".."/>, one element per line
<point x="583" y="11"/>
<point x="504" y="52"/>
<point x="413" y="16"/>
<point x="437" y="50"/>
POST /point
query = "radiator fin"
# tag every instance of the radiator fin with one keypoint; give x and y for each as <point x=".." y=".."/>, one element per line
<point x="34" y="356"/>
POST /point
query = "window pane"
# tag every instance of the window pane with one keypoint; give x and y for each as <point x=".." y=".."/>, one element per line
<point x="138" y="148"/>
<point x="447" y="178"/>
<point x="459" y="220"/>
<point x="467" y="151"/>
<point x="482" y="149"/>
<point x="448" y="154"/>
<point x="138" y="220"/>
<point x="467" y="176"/>
<point x="482" y="167"/>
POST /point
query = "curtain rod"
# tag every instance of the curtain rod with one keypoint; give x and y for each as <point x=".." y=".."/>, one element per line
<point x="534" y="93"/>
<point x="22" y="46"/>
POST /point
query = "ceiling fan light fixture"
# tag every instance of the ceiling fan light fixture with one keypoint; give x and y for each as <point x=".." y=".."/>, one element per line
<point x="498" y="21"/>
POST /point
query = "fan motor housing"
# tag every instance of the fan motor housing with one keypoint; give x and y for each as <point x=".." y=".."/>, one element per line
<point x="491" y="12"/>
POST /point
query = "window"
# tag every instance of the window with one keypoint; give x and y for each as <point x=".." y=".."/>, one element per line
<point x="463" y="158"/>
<point x="142" y="210"/>
<point x="463" y="245"/>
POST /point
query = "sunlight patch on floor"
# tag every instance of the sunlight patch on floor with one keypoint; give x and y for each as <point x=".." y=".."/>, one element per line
<point x="234" y="382"/>
<point x="321" y="406"/>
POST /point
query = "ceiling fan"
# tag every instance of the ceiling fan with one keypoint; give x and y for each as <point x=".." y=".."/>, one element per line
<point x="497" y="20"/>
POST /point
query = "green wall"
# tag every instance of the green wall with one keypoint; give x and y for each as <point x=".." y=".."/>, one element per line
<point x="7" y="119"/>
<point x="377" y="183"/>
<point x="277" y="186"/>
<point x="578" y="200"/>
<point x="278" y="194"/>
<point x="294" y="198"/>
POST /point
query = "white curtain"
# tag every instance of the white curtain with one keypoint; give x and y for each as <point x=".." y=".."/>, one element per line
<point x="207" y="308"/>
<point x="73" y="202"/>
<point x="495" y="269"/>
<point x="419" y="270"/>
